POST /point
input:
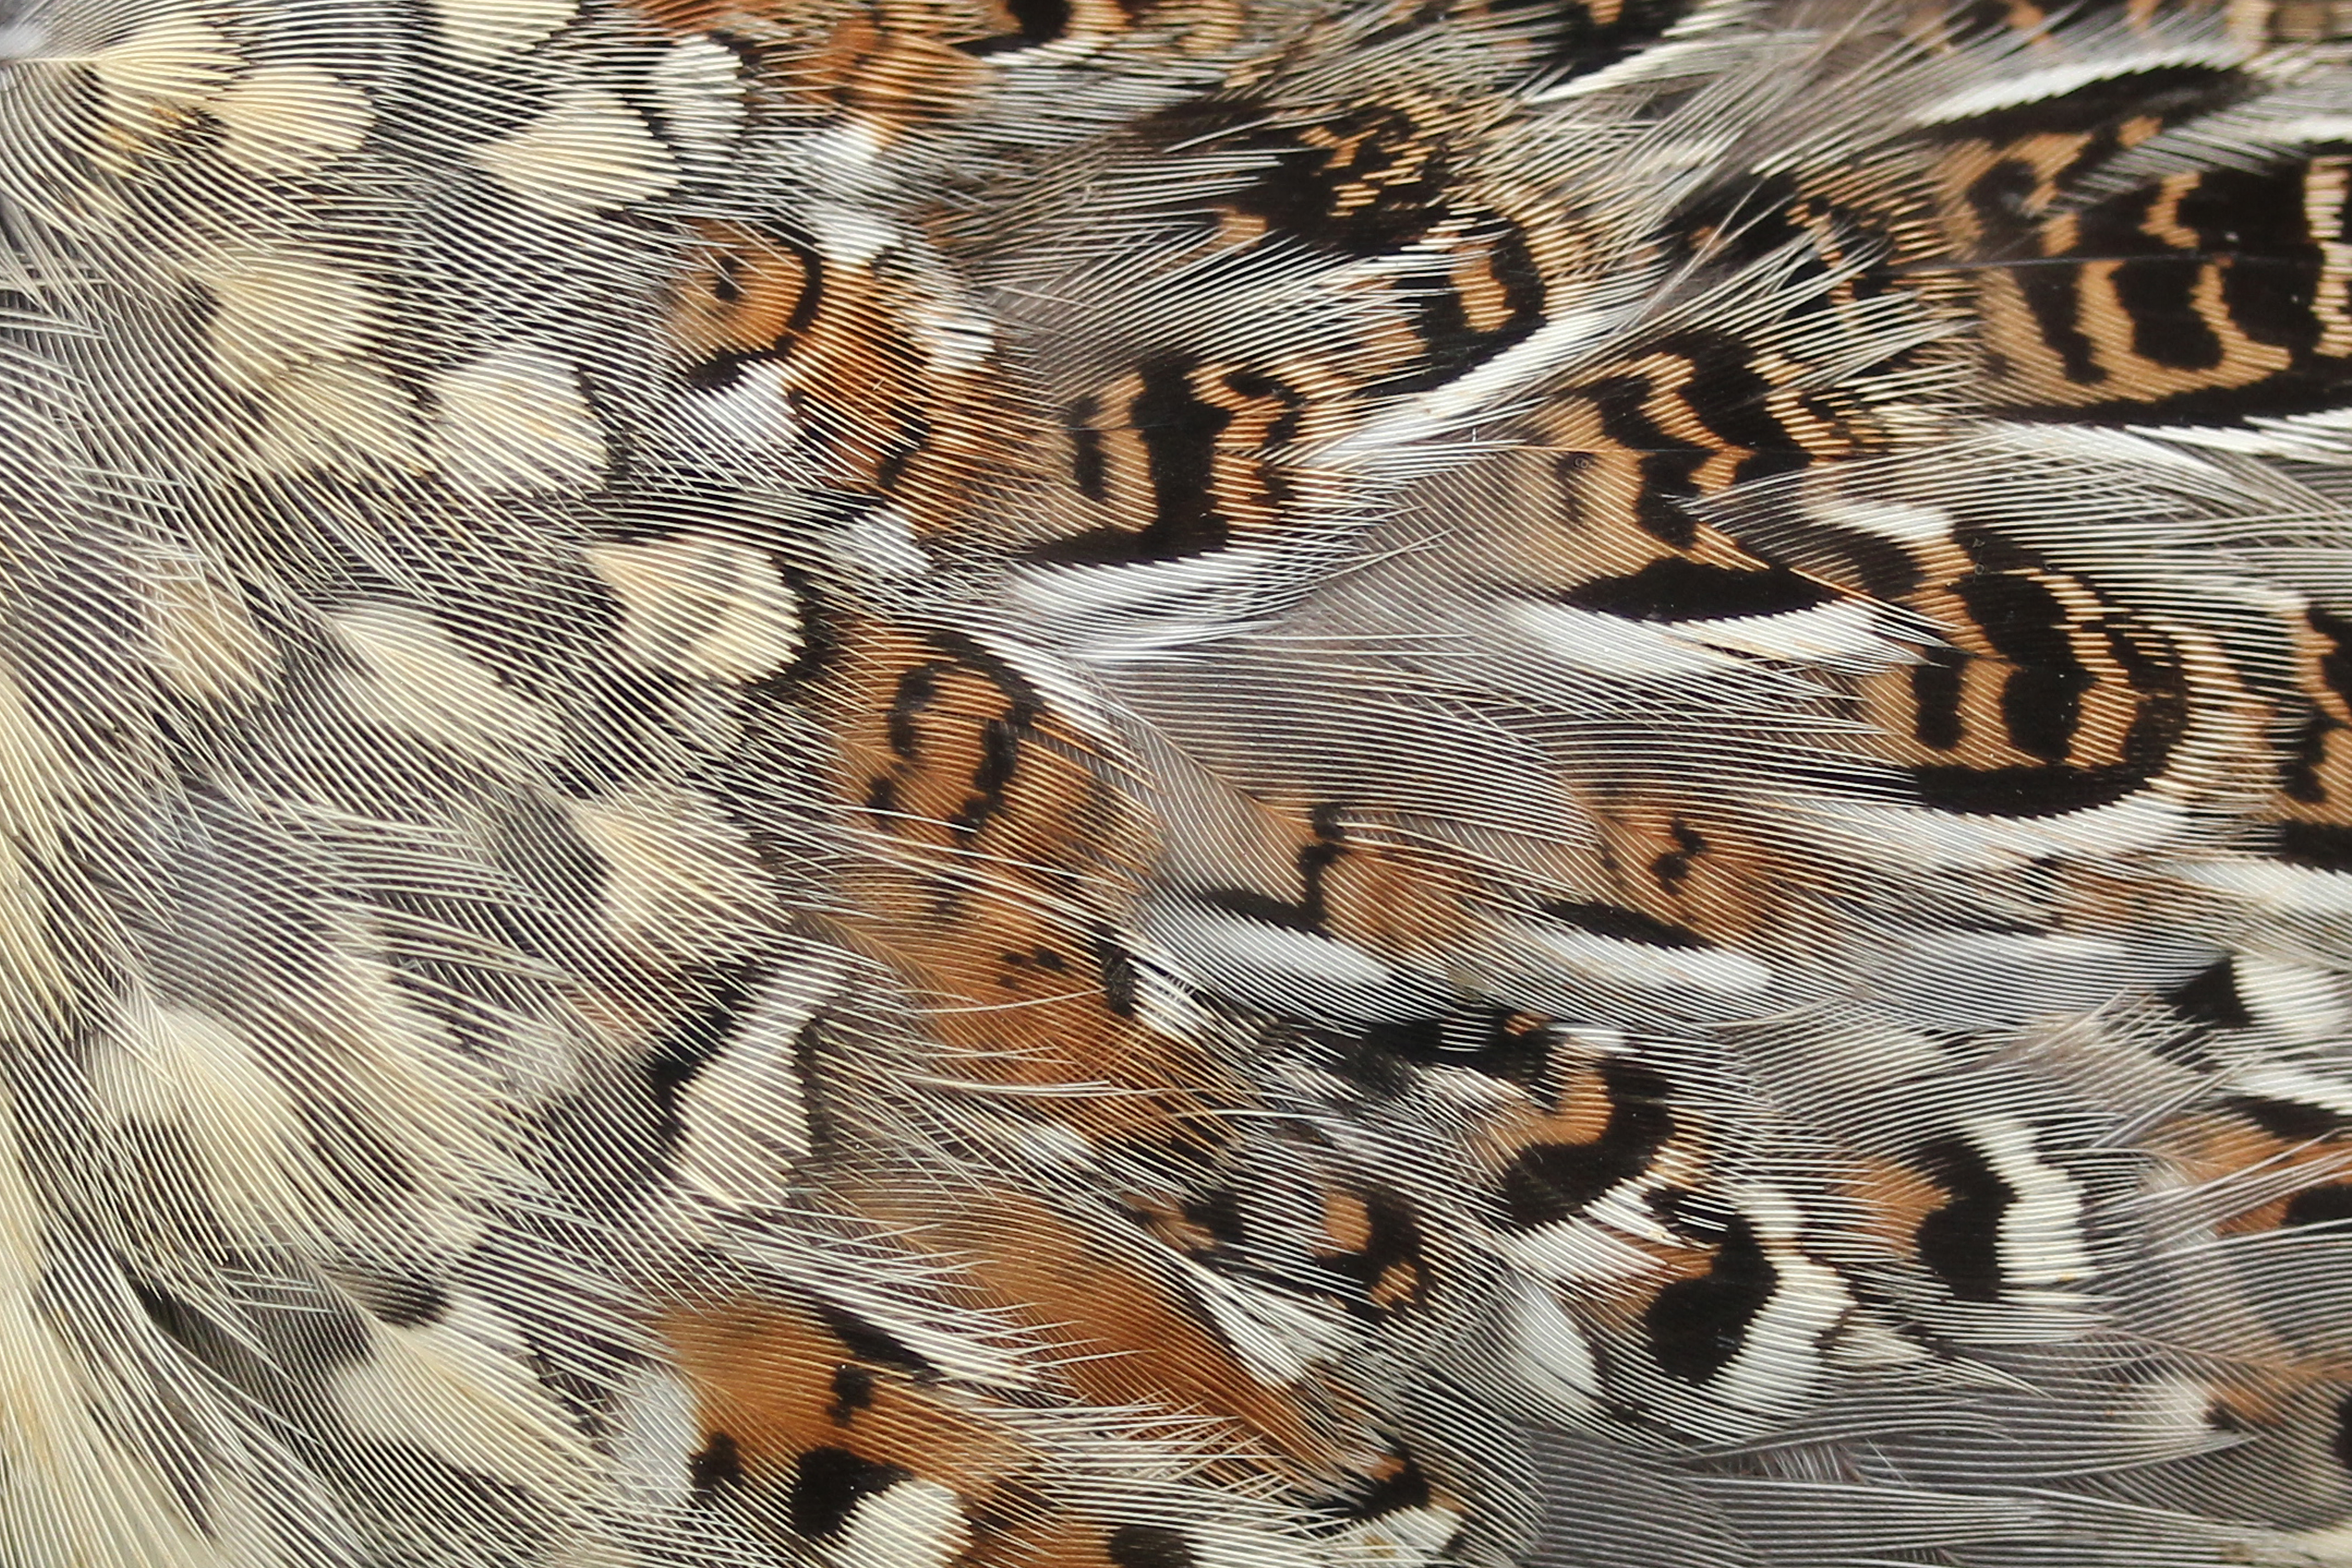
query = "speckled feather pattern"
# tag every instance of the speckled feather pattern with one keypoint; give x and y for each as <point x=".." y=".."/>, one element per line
<point x="1175" y="783"/>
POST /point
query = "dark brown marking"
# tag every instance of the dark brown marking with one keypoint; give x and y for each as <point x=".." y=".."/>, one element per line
<point x="1385" y="1258"/>
<point x="2336" y="665"/>
<point x="1088" y="469"/>
<point x="717" y="998"/>
<point x="870" y="1343"/>
<point x="827" y="1487"/>
<point x="2023" y="791"/>
<point x="1674" y="866"/>
<point x="2041" y="700"/>
<point x="2211" y="998"/>
<point x="1581" y="43"/>
<point x="2255" y="218"/>
<point x="1936" y="689"/>
<point x="1961" y="1241"/>
<point x="1677" y="588"/>
<point x="1404" y="1486"/>
<point x="1366" y="183"/>
<point x="1149" y="1546"/>
<point x="1696" y="1326"/>
<point x="1035" y="21"/>
<point x="1314" y="860"/>
<point x="853" y="1391"/>
<point x="2289" y="1121"/>
<point x="716" y="1464"/>
<point x="1442" y="315"/>
<point x="1547" y="1183"/>
<point x="2330" y="1204"/>
<point x="2320" y="846"/>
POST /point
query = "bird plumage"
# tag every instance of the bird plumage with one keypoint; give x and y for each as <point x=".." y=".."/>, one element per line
<point x="1217" y="783"/>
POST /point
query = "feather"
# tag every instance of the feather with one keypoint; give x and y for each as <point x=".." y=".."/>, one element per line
<point x="1196" y="783"/>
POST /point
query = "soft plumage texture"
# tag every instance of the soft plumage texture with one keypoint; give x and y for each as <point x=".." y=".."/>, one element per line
<point x="1175" y="783"/>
